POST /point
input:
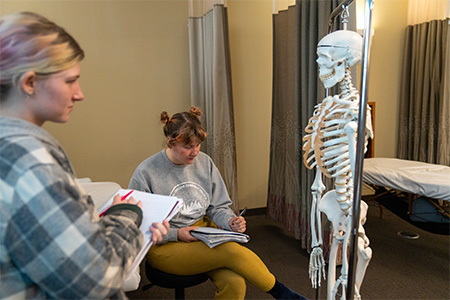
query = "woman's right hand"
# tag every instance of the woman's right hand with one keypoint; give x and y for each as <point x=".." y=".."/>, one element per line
<point x="185" y="235"/>
<point x="118" y="200"/>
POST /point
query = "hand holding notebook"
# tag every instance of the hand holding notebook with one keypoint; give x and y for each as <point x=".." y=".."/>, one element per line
<point x="155" y="208"/>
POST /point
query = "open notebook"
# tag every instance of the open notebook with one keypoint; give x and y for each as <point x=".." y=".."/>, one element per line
<point x="155" y="208"/>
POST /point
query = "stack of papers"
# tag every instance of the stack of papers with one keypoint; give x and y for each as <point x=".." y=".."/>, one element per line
<point x="155" y="208"/>
<point x="213" y="236"/>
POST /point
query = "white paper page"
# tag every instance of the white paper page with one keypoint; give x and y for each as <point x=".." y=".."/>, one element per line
<point x="212" y="230"/>
<point x="155" y="208"/>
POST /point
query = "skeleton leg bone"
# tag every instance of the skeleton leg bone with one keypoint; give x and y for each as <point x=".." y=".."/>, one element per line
<point x="364" y="251"/>
<point x="342" y="280"/>
<point x="330" y="207"/>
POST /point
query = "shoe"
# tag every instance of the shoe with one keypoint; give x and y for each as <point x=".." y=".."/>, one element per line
<point x="281" y="292"/>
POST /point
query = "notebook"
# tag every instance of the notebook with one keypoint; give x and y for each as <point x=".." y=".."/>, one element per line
<point x="155" y="208"/>
<point x="214" y="236"/>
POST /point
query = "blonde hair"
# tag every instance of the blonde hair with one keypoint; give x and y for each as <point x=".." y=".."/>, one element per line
<point x="30" y="42"/>
<point x="184" y="127"/>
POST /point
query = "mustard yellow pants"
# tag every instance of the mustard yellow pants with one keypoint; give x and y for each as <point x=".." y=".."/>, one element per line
<point x="227" y="265"/>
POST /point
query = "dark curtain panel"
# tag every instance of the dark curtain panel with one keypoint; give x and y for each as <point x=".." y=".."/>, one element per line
<point x="296" y="90"/>
<point x="424" y="129"/>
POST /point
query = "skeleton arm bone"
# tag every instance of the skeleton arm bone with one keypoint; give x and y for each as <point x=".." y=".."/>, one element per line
<point x="316" y="263"/>
<point x="350" y="129"/>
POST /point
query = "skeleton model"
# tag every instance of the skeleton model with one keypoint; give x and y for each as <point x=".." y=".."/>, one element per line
<point x="329" y="146"/>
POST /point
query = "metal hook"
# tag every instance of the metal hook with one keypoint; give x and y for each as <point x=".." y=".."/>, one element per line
<point x="344" y="16"/>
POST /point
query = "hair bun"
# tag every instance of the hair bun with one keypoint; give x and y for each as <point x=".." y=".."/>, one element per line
<point x="165" y="117"/>
<point x="195" y="111"/>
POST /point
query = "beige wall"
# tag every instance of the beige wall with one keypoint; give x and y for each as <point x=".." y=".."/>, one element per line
<point x="389" y="23"/>
<point x="137" y="65"/>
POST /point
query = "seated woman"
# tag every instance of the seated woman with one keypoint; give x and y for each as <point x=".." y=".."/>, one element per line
<point x="183" y="171"/>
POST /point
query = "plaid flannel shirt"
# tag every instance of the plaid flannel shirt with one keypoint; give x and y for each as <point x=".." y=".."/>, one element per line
<point x="52" y="243"/>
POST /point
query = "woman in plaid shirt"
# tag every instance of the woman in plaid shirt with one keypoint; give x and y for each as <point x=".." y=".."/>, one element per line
<point x="52" y="242"/>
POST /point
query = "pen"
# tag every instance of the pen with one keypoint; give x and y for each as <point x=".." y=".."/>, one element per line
<point x="241" y="214"/>
<point x="121" y="199"/>
<point x="125" y="197"/>
<point x="243" y="211"/>
<point x="101" y="215"/>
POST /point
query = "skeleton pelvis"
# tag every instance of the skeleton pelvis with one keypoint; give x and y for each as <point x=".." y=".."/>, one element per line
<point x="330" y="207"/>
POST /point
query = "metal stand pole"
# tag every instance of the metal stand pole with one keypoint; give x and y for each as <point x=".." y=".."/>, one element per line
<point x="318" y="293"/>
<point x="359" y="152"/>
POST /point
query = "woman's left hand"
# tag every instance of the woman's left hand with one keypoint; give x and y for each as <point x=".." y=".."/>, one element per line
<point x="238" y="224"/>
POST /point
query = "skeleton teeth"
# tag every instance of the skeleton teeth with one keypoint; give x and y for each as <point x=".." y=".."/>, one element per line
<point x="327" y="76"/>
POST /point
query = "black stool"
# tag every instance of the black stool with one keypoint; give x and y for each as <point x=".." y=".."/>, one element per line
<point x="171" y="281"/>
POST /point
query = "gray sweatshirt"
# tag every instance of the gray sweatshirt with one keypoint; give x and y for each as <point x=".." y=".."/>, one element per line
<point x="199" y="184"/>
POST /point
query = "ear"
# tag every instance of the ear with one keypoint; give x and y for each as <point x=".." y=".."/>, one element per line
<point x="28" y="82"/>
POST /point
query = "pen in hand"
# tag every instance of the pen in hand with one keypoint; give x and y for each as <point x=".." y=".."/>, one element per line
<point x="121" y="198"/>
<point x="125" y="196"/>
<point x="239" y="221"/>
<point x="243" y="211"/>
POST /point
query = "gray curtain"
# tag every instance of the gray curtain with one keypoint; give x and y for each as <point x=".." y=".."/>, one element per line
<point x="424" y="129"/>
<point x="296" y="90"/>
<point x="211" y="90"/>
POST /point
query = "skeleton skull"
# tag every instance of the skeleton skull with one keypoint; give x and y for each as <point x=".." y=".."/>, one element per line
<point x="337" y="51"/>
